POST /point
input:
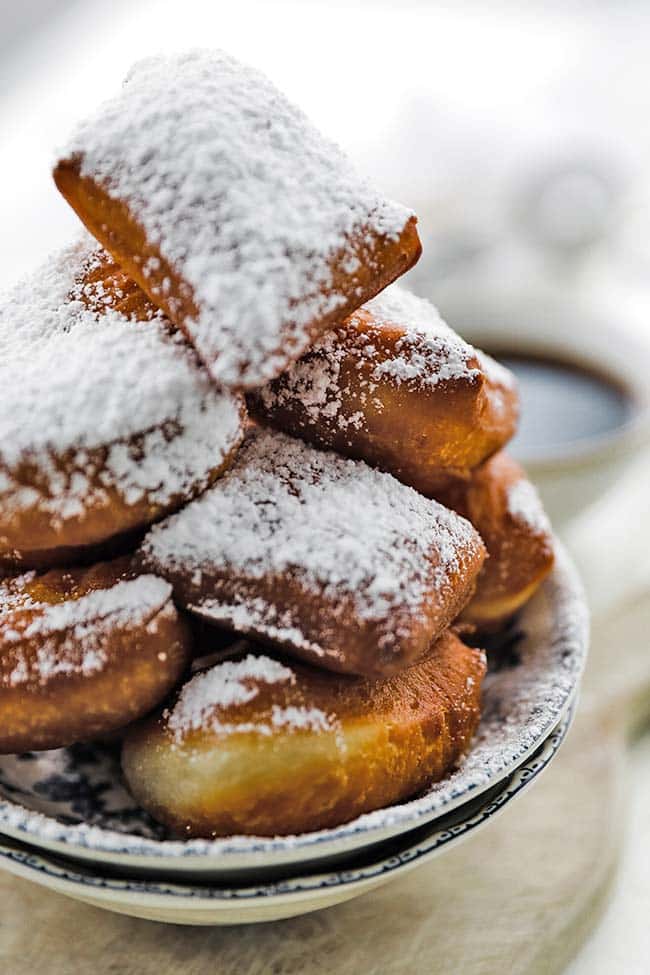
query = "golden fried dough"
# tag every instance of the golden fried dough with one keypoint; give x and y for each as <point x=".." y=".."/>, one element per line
<point x="505" y="509"/>
<point x="107" y="419"/>
<point x="394" y="386"/>
<point x="261" y="747"/>
<point x="218" y="197"/>
<point x="336" y="562"/>
<point x="83" y="652"/>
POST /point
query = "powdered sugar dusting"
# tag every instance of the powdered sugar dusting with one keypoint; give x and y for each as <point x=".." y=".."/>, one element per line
<point x="242" y="196"/>
<point x="525" y="505"/>
<point x="127" y="602"/>
<point x="75" y="378"/>
<point x="428" y="353"/>
<point x="339" y="526"/>
<point x="497" y="372"/>
<point x="254" y="615"/>
<point x="227" y="685"/>
<point x="301" y="718"/>
<point x="72" y="634"/>
<point x="53" y="660"/>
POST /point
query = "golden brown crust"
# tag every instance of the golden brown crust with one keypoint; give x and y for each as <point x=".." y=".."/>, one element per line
<point x="344" y="395"/>
<point x="83" y="652"/>
<point x="104" y="284"/>
<point x="380" y="260"/>
<point x="381" y="741"/>
<point x="70" y="555"/>
<point x="32" y="532"/>
<point x="504" y="509"/>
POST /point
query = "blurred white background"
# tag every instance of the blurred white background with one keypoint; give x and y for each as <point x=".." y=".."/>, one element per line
<point x="518" y="131"/>
<point x="494" y="119"/>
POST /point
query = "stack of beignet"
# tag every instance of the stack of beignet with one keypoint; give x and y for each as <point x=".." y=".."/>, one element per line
<point x="344" y="521"/>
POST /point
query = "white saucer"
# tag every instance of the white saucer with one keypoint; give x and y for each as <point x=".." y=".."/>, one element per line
<point x="72" y="802"/>
<point x="208" y="904"/>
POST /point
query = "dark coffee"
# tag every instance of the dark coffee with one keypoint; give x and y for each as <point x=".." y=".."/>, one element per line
<point x="563" y="404"/>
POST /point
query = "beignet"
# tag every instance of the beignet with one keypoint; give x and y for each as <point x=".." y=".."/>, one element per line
<point x="83" y="652"/>
<point x="219" y="198"/>
<point x="394" y="386"/>
<point x="336" y="562"/>
<point x="259" y="747"/>
<point x="107" y="418"/>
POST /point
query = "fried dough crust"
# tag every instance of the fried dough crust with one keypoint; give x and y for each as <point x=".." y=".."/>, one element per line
<point x="335" y="562"/>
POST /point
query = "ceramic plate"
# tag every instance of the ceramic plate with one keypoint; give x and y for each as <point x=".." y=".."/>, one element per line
<point x="73" y="802"/>
<point x="206" y="904"/>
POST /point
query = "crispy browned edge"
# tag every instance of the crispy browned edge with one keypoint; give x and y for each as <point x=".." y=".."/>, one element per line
<point x="111" y="222"/>
<point x="401" y="733"/>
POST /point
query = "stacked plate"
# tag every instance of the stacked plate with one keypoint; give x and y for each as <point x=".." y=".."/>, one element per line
<point x="68" y="823"/>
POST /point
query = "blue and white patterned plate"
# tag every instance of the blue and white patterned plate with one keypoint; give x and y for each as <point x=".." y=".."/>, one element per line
<point x="209" y="904"/>
<point x="73" y="801"/>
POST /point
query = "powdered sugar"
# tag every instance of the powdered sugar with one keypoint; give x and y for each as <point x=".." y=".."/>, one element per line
<point x="74" y="379"/>
<point x="228" y="684"/>
<point x="301" y="718"/>
<point x="53" y="660"/>
<point x="343" y="529"/>
<point x="242" y="196"/>
<point x="429" y="353"/>
<point x="324" y="383"/>
<point x="497" y="372"/>
<point x="72" y="634"/>
<point x="256" y="615"/>
<point x="127" y="602"/>
<point x="525" y="505"/>
<point x="205" y="701"/>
